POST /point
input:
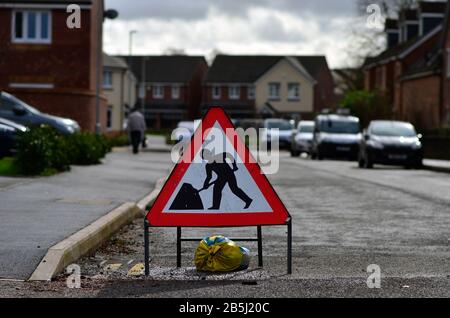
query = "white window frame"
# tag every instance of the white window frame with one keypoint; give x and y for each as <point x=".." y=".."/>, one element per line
<point x="234" y="92"/>
<point x="108" y="85"/>
<point x="219" y="92"/>
<point x="291" y="97"/>
<point x="158" y="91"/>
<point x="110" y="112"/>
<point x="25" y="38"/>
<point x="277" y="96"/>
<point x="251" y="95"/>
<point x="176" y="92"/>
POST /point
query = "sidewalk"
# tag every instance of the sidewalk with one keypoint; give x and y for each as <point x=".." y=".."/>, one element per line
<point x="157" y="144"/>
<point x="37" y="213"/>
<point x="437" y="165"/>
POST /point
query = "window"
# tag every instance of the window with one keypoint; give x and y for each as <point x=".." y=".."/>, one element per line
<point x="109" y="118"/>
<point x="175" y="92"/>
<point x="158" y="91"/>
<point x="107" y="79"/>
<point x="274" y="91"/>
<point x="251" y="92"/>
<point x="31" y="27"/>
<point x="234" y="92"/>
<point x="294" y="92"/>
<point x="448" y="63"/>
<point x="216" y="92"/>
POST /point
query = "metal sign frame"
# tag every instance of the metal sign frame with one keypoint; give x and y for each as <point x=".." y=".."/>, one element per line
<point x="180" y="239"/>
<point x="217" y="114"/>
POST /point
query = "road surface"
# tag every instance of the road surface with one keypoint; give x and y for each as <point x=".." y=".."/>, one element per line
<point x="344" y="219"/>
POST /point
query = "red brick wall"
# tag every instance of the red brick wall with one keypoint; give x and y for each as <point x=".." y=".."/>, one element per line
<point x="195" y="91"/>
<point x="77" y="106"/>
<point x="420" y="102"/>
<point x="324" y="96"/>
<point x="65" y="62"/>
<point x="69" y="63"/>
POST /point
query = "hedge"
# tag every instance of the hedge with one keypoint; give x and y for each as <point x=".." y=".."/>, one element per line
<point x="43" y="151"/>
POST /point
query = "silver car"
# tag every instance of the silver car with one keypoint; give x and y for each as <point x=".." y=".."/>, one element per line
<point x="302" y="138"/>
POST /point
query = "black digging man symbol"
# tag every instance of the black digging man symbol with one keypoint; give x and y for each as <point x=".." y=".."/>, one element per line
<point x="188" y="197"/>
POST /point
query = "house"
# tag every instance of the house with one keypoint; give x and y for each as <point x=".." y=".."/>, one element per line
<point x="170" y="87"/>
<point x="269" y="86"/>
<point x="410" y="71"/>
<point x="49" y="65"/>
<point x="119" y="87"/>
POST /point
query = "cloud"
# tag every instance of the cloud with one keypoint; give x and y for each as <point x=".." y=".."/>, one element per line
<point x="233" y="27"/>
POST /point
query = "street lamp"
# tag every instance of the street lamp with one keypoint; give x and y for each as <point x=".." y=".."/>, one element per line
<point x="130" y="53"/>
<point x="108" y="14"/>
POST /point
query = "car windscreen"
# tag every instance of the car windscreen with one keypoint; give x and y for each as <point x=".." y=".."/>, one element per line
<point x="281" y="125"/>
<point x="306" y="129"/>
<point x="393" y="130"/>
<point x="339" y="127"/>
<point x="20" y="103"/>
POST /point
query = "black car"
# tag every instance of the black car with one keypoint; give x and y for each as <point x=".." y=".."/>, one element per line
<point x="336" y="136"/>
<point x="8" y="134"/>
<point x="19" y="112"/>
<point x="391" y="143"/>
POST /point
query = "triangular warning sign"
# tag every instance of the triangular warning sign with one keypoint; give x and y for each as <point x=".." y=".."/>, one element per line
<point x="217" y="182"/>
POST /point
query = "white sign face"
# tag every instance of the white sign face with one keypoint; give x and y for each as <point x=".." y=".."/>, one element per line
<point x="217" y="181"/>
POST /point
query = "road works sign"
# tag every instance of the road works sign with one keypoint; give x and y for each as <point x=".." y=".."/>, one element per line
<point x="217" y="183"/>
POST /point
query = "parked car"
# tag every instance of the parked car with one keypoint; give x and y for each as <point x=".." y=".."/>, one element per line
<point x="278" y="128"/>
<point x="20" y="112"/>
<point x="302" y="138"/>
<point x="390" y="142"/>
<point x="185" y="130"/>
<point x="336" y="136"/>
<point x="8" y="135"/>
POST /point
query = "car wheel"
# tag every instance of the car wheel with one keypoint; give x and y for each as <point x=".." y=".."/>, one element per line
<point x="295" y="153"/>
<point x="361" y="162"/>
<point x="319" y="156"/>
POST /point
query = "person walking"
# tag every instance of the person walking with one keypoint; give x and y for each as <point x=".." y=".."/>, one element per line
<point x="225" y="175"/>
<point x="136" y="128"/>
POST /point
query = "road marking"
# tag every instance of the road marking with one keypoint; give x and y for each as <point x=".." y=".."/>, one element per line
<point x="136" y="270"/>
<point x="113" y="267"/>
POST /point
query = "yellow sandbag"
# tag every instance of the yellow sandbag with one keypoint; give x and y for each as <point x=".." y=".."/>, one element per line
<point x="220" y="254"/>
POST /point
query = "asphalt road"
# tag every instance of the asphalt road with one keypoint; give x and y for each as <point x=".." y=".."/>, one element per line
<point x="344" y="219"/>
<point x="37" y="213"/>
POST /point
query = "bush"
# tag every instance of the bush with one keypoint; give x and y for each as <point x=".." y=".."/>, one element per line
<point x="118" y="141"/>
<point x="86" y="148"/>
<point x="367" y="106"/>
<point x="41" y="150"/>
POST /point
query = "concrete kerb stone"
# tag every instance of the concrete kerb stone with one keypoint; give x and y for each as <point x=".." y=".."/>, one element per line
<point x="91" y="237"/>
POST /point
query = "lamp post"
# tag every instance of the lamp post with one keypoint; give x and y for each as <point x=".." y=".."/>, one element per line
<point x="108" y="14"/>
<point x="130" y="53"/>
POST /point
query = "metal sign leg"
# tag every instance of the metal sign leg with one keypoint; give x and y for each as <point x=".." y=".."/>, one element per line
<point x="146" y="248"/>
<point x="289" y="247"/>
<point x="178" y="247"/>
<point x="260" y="249"/>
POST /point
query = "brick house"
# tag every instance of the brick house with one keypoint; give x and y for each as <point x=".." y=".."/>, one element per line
<point x="409" y="72"/>
<point x="49" y="65"/>
<point x="170" y="85"/>
<point x="269" y="86"/>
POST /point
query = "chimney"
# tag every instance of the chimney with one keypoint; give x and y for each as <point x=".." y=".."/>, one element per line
<point x="392" y="33"/>
<point x="431" y="14"/>
<point x="409" y="24"/>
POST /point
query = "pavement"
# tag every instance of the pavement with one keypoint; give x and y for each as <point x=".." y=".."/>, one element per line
<point x="438" y="165"/>
<point x="37" y="213"/>
<point x="344" y="219"/>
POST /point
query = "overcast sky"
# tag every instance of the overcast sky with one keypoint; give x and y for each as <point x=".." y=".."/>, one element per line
<point x="291" y="27"/>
